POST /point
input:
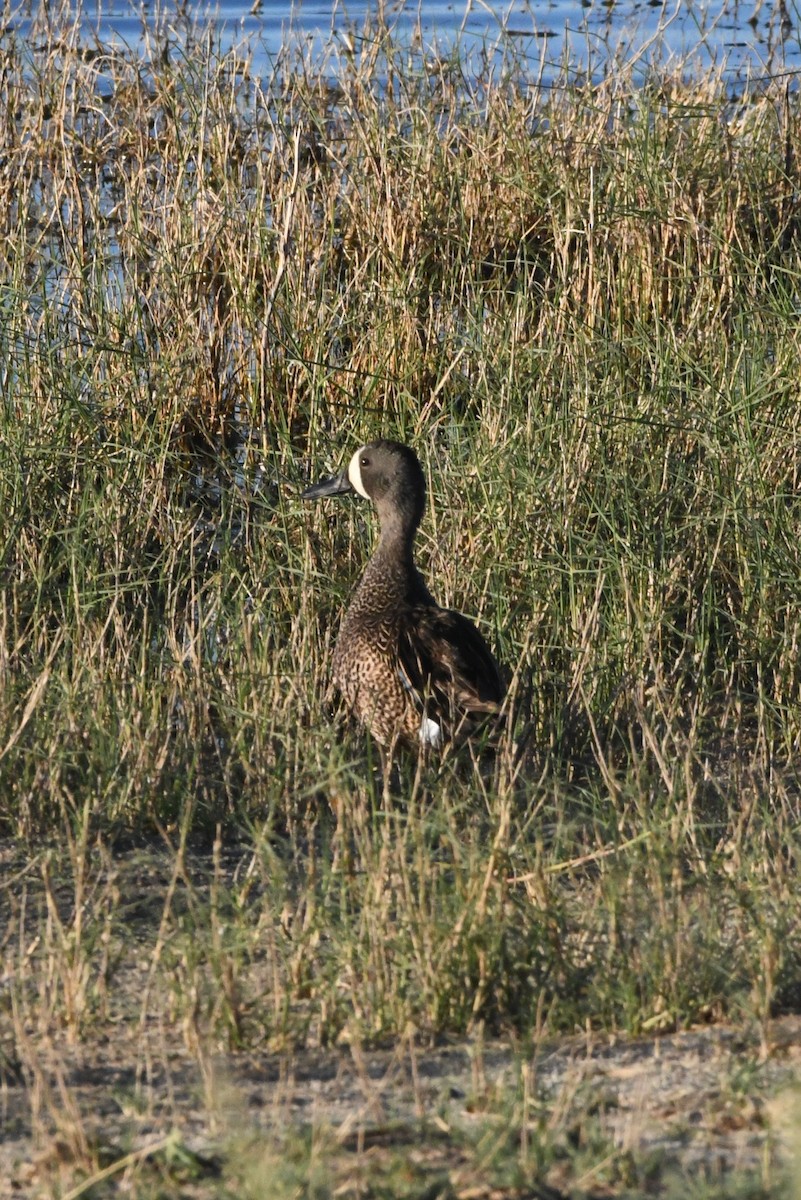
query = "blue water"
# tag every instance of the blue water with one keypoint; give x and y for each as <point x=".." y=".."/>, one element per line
<point x="743" y="41"/>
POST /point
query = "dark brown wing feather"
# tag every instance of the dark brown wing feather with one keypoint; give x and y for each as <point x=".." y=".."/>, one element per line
<point x="448" y="665"/>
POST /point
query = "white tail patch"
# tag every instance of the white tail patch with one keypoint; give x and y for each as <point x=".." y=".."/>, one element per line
<point x="355" y="473"/>
<point x="430" y="733"/>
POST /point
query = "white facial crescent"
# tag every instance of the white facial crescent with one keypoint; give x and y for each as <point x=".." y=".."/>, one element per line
<point x="355" y="473"/>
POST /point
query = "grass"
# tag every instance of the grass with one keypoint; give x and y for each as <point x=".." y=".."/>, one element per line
<point x="581" y="306"/>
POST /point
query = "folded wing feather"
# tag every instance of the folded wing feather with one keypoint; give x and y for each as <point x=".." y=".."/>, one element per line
<point x="447" y="665"/>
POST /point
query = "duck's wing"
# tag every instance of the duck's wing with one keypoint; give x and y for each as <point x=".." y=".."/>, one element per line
<point x="447" y="664"/>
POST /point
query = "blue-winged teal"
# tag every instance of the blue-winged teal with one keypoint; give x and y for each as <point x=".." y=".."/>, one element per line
<point x="410" y="670"/>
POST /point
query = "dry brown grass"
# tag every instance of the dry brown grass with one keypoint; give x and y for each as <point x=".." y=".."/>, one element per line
<point x="581" y="308"/>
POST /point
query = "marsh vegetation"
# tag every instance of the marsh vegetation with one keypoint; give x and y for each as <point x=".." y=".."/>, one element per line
<point x="581" y="306"/>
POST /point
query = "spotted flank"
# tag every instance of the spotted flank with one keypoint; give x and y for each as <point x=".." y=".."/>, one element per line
<point x="412" y="672"/>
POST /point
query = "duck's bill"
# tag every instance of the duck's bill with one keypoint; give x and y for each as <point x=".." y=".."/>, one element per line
<point x="334" y="486"/>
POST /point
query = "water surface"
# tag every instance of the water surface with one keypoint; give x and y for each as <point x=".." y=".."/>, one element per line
<point x="746" y="42"/>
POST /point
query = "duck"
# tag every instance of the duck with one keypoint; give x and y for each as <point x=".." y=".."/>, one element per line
<point x="412" y="672"/>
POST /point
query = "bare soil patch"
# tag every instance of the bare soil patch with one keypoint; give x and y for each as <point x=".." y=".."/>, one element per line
<point x="697" y="1104"/>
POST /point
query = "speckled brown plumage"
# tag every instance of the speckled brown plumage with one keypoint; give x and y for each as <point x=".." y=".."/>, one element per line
<point x="410" y="670"/>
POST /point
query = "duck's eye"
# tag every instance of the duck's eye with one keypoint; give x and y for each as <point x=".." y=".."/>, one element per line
<point x="365" y="461"/>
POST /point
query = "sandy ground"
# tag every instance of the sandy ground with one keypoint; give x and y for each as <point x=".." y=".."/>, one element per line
<point x="715" y="1103"/>
<point x="698" y="1103"/>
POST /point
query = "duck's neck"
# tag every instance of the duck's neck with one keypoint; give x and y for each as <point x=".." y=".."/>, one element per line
<point x="398" y="527"/>
<point x="391" y="577"/>
<point x="395" y="543"/>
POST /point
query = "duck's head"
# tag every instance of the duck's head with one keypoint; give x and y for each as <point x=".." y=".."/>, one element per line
<point x="389" y="474"/>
